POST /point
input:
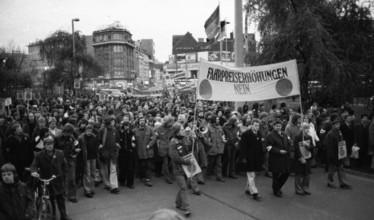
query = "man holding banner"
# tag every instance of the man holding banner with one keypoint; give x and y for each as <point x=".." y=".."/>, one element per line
<point x="336" y="152"/>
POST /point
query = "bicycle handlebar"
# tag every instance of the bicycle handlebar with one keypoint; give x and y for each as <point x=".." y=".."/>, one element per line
<point x="46" y="180"/>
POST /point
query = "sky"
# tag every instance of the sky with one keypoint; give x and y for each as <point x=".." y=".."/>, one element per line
<point x="25" y="21"/>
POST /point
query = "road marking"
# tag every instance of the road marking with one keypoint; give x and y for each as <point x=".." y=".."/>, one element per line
<point x="230" y="206"/>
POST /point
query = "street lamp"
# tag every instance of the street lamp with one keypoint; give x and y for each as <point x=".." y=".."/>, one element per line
<point x="73" y="69"/>
<point x="72" y="25"/>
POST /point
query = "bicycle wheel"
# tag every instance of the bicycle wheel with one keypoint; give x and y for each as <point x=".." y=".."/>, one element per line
<point x="45" y="211"/>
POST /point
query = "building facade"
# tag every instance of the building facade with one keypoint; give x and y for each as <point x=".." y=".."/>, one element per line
<point x="148" y="46"/>
<point x="114" y="49"/>
<point x="183" y="64"/>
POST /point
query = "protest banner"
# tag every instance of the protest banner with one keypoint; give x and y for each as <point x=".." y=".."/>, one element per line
<point x="223" y="83"/>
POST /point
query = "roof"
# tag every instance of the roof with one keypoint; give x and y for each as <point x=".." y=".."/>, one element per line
<point x="187" y="43"/>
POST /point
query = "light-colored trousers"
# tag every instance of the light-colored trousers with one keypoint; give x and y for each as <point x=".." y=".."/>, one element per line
<point x="251" y="186"/>
<point x="89" y="176"/>
<point x="108" y="172"/>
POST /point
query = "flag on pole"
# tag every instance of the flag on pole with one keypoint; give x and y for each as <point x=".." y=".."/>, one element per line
<point x="212" y="24"/>
<point x="222" y="33"/>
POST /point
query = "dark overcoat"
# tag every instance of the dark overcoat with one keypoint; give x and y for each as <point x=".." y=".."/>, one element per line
<point x="302" y="169"/>
<point x="47" y="166"/>
<point x="278" y="163"/>
<point x="252" y="150"/>
<point x="332" y="139"/>
<point x="18" y="152"/>
<point x="16" y="202"/>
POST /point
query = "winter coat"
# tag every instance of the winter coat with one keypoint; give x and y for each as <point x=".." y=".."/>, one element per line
<point x="292" y="131"/>
<point x="332" y="139"/>
<point x="362" y="138"/>
<point x="143" y="137"/>
<point x="18" y="152"/>
<point x="164" y="136"/>
<point x="177" y="150"/>
<point x="126" y="141"/>
<point x="109" y="151"/>
<point x="279" y="163"/>
<point x="348" y="133"/>
<point x="302" y="169"/>
<point x="51" y="165"/>
<point x="371" y="137"/>
<point x="68" y="145"/>
<point x="16" y="201"/>
<point x="231" y="134"/>
<point x="252" y="150"/>
<point x="214" y="139"/>
<point x="89" y="146"/>
<point x="29" y="128"/>
<point x="265" y="131"/>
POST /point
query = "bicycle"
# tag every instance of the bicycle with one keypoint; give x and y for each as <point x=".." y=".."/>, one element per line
<point x="44" y="210"/>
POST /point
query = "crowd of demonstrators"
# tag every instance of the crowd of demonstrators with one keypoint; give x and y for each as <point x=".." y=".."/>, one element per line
<point x="85" y="142"/>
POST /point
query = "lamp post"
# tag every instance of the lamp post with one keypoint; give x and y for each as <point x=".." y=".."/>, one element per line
<point x="73" y="69"/>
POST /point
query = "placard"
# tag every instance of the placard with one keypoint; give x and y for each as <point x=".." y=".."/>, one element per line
<point x="28" y="96"/>
<point x="304" y="152"/>
<point x="192" y="169"/>
<point x="342" y="152"/>
<point x="8" y="101"/>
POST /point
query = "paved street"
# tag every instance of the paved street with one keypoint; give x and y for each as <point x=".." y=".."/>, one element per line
<point x="228" y="201"/>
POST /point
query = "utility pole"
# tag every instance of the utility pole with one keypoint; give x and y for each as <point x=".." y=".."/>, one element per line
<point x="73" y="66"/>
<point x="238" y="37"/>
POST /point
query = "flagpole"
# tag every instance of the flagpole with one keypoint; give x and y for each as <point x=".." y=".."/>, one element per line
<point x="220" y="32"/>
<point x="226" y="50"/>
<point x="238" y="9"/>
<point x="195" y="122"/>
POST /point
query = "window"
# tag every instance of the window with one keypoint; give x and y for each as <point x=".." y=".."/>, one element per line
<point x="118" y="49"/>
<point x="117" y="36"/>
